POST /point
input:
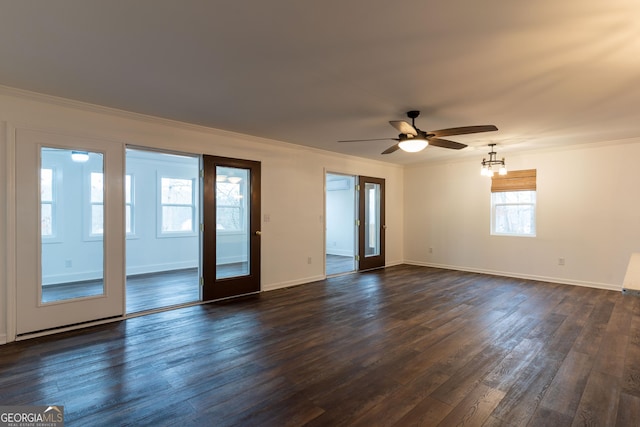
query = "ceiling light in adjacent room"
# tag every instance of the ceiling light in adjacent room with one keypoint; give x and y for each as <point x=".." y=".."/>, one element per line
<point x="79" y="156"/>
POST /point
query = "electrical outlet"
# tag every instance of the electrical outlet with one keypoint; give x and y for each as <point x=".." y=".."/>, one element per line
<point x="309" y="260"/>
<point x="560" y="261"/>
<point x="430" y="250"/>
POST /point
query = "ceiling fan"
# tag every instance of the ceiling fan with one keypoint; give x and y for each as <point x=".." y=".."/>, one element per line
<point x="412" y="139"/>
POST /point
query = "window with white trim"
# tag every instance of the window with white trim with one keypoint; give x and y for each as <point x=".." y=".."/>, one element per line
<point x="128" y="204"/>
<point x="47" y="202"/>
<point x="177" y="206"/>
<point x="96" y="201"/>
<point x="513" y="204"/>
<point x="231" y="203"/>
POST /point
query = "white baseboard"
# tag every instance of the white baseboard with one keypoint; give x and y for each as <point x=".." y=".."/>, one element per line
<point x="288" y="284"/>
<point x="559" y="280"/>
<point x="340" y="252"/>
<point x="156" y="268"/>
<point x="131" y="271"/>
<point x="71" y="277"/>
<point x="231" y="259"/>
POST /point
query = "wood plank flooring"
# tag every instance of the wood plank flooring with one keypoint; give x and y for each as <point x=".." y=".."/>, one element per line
<point x="395" y="347"/>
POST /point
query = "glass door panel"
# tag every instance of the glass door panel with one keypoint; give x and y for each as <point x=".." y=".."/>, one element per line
<point x="232" y="222"/>
<point x="371" y="216"/>
<point x="372" y="219"/>
<point x="72" y="244"/>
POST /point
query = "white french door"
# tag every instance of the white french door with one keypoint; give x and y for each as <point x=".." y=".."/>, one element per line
<point x="70" y="230"/>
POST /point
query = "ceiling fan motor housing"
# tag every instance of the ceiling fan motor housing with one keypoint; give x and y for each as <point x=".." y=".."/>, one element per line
<point x="413" y="114"/>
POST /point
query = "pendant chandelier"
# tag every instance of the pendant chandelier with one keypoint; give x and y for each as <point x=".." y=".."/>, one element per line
<point x="488" y="165"/>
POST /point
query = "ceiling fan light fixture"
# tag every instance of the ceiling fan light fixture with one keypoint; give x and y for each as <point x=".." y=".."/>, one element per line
<point x="413" y="145"/>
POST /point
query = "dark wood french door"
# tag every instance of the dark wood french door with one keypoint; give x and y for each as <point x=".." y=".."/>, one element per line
<point x="371" y="220"/>
<point x="231" y="236"/>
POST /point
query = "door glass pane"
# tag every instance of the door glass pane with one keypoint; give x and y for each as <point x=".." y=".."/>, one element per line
<point x="372" y="219"/>
<point x="71" y="224"/>
<point x="232" y="222"/>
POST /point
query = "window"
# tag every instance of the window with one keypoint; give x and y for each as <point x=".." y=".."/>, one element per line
<point x="514" y="213"/>
<point x="177" y="205"/>
<point x="513" y="204"/>
<point x="96" y="197"/>
<point x="128" y="204"/>
<point x="230" y="206"/>
<point x="97" y="203"/>
<point x="47" y="211"/>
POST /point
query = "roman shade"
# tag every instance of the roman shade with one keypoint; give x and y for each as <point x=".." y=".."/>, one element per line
<point x="522" y="180"/>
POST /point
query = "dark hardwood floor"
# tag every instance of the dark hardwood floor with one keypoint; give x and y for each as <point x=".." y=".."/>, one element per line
<point x="400" y="346"/>
<point x="163" y="289"/>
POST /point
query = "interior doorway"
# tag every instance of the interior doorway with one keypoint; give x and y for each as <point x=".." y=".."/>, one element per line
<point x="162" y="225"/>
<point x="340" y="220"/>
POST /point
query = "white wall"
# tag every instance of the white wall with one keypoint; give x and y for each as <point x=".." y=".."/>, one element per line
<point x="292" y="182"/>
<point x="588" y="212"/>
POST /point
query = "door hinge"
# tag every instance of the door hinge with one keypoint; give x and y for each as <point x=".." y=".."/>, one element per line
<point x="201" y="228"/>
<point x="357" y="223"/>
<point x="357" y="257"/>
<point x="357" y="187"/>
<point x="201" y="173"/>
<point x="201" y="281"/>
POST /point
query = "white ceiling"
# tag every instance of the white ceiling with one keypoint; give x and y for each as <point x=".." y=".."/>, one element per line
<point x="547" y="73"/>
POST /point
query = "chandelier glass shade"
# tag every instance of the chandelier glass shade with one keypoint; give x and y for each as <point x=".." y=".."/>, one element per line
<point x="413" y="145"/>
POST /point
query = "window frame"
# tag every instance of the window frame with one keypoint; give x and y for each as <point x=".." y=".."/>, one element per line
<point x="88" y="217"/>
<point x="54" y="203"/>
<point x="494" y="216"/>
<point x="91" y="235"/>
<point x="130" y="204"/>
<point x="242" y="208"/>
<point x="160" y="205"/>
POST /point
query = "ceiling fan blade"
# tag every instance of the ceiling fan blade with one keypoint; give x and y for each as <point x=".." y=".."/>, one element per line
<point x="391" y="149"/>
<point x="445" y="143"/>
<point x="463" y="130"/>
<point x="404" y="127"/>
<point x="375" y="139"/>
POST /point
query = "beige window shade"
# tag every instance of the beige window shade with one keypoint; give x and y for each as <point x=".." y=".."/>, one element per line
<point x="523" y="180"/>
